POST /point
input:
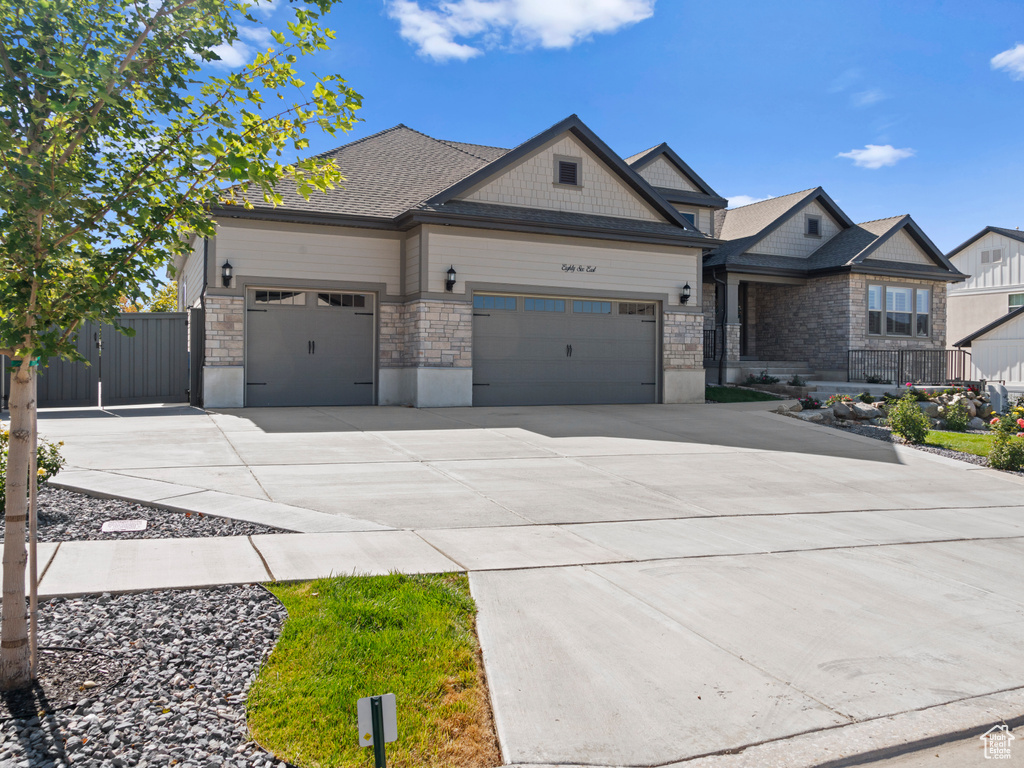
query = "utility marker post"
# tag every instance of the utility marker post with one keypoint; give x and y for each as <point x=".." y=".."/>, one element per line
<point x="378" y="724"/>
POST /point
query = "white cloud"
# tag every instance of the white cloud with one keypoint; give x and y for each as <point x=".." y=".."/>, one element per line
<point x="739" y="201"/>
<point x="436" y="30"/>
<point x="877" y="156"/>
<point x="867" y="98"/>
<point x="241" y="52"/>
<point x="845" y="80"/>
<point x="1012" y="61"/>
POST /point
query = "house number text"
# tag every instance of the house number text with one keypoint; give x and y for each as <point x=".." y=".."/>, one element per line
<point x="578" y="268"/>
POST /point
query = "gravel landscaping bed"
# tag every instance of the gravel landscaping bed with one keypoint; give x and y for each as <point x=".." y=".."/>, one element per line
<point x="185" y="661"/>
<point x="69" y="516"/>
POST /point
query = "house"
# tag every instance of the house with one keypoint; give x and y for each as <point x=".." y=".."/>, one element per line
<point x="797" y="286"/>
<point x="454" y="274"/>
<point x="997" y="350"/>
<point x="993" y="259"/>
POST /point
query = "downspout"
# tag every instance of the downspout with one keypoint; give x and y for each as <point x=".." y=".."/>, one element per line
<point x="725" y="314"/>
<point x="206" y="274"/>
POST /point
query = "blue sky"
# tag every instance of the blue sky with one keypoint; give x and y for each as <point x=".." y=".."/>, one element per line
<point x="761" y="99"/>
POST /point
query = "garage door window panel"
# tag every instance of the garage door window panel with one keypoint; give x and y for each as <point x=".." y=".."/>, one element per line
<point x="280" y="298"/>
<point x="531" y="304"/>
<point x="495" y="302"/>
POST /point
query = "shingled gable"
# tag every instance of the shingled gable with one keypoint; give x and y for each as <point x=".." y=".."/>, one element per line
<point x="886" y="229"/>
<point x="581" y="133"/>
<point x="705" y="196"/>
<point x="1014" y="234"/>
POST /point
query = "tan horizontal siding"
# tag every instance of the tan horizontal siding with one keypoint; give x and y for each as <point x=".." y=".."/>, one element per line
<point x="297" y="252"/>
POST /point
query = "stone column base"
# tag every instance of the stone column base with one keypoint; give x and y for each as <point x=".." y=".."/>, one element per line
<point x="223" y="386"/>
<point x="426" y="387"/>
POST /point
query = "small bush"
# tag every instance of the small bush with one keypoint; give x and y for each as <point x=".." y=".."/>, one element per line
<point x="1008" y="446"/>
<point x="48" y="460"/>
<point x="761" y="378"/>
<point x="866" y="397"/>
<point x="796" y="381"/>
<point x="956" y="416"/>
<point x="907" y="420"/>
<point x="809" y="403"/>
<point x="919" y="395"/>
<point x="833" y="399"/>
<point x="873" y="379"/>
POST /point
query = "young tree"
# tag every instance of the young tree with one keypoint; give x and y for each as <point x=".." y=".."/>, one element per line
<point x="112" y="147"/>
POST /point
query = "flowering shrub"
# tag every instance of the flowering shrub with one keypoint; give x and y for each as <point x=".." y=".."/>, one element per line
<point x="956" y="416"/>
<point x="48" y="460"/>
<point x="1008" y="446"/>
<point x="761" y="378"/>
<point x="833" y="399"/>
<point x="907" y="420"/>
<point x="796" y="381"/>
<point x="809" y="403"/>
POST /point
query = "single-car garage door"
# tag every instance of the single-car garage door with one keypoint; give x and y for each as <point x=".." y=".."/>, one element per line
<point x="531" y="350"/>
<point x="308" y="348"/>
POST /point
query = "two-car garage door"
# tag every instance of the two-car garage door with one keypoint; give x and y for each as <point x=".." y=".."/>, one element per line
<point x="531" y="350"/>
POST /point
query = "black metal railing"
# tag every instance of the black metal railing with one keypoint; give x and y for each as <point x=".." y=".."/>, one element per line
<point x="710" y="348"/>
<point x="899" y="366"/>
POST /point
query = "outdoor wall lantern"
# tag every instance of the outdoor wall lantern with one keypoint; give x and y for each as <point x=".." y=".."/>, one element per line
<point x="225" y="273"/>
<point x="449" y="281"/>
<point x="684" y="295"/>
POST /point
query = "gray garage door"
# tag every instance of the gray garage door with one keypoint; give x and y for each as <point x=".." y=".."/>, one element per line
<point x="560" y="351"/>
<point x="308" y="348"/>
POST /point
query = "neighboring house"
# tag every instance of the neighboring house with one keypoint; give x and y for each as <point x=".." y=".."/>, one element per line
<point x="997" y="350"/>
<point x="994" y="261"/>
<point x="798" y="286"/>
<point x="453" y="274"/>
<point x="982" y="309"/>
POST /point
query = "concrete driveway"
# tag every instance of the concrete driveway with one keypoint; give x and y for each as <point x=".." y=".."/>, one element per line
<point x="713" y="584"/>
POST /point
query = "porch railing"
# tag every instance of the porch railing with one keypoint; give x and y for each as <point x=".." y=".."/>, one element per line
<point x="898" y="366"/>
<point x="710" y="348"/>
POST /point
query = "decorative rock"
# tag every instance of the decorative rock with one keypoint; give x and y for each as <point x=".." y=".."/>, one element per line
<point x="977" y="423"/>
<point x="930" y="409"/>
<point x="796" y="408"/>
<point x="865" y="411"/>
<point x="842" y="411"/>
<point x="972" y="409"/>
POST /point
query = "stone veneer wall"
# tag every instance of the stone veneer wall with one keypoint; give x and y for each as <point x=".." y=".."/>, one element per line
<point x="708" y="296"/>
<point x="859" y="338"/>
<point x="426" y="334"/>
<point x="683" y="340"/>
<point x="225" y="320"/>
<point x="809" y="322"/>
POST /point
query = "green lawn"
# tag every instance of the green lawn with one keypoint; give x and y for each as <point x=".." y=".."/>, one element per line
<point x="979" y="445"/>
<point x="733" y="395"/>
<point x="345" y="638"/>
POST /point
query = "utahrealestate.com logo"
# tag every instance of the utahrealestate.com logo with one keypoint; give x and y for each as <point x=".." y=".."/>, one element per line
<point x="997" y="741"/>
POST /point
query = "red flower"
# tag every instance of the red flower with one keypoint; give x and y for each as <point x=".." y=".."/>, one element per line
<point x="1020" y="423"/>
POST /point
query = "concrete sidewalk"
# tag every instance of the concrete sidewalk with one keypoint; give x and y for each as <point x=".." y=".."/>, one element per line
<point x="721" y="586"/>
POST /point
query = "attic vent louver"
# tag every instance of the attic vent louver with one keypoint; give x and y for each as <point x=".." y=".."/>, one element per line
<point x="568" y="173"/>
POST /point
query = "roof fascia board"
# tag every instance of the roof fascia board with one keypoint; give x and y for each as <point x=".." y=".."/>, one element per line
<point x="589" y="139"/>
<point x="816" y="194"/>
<point x="972" y="240"/>
<point x="664" y="150"/>
<point x="303" y="217"/>
<point x="414" y="218"/>
<point x="747" y="269"/>
<point x="874" y="268"/>
<point x="966" y="340"/>
<point x="693" y="198"/>
<point x="917" y="235"/>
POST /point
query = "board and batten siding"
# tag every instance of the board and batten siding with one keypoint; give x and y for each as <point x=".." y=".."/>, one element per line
<point x="790" y="240"/>
<point x="530" y="184"/>
<point x="299" y="252"/>
<point x="661" y="173"/>
<point x="999" y="354"/>
<point x="1007" y="273"/>
<point x="522" y="262"/>
<point x="900" y="247"/>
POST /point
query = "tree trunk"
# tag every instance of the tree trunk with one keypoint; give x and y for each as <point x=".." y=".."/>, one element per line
<point x="15" y="671"/>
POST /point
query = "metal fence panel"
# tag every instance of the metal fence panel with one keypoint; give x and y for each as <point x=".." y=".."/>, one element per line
<point x="710" y="346"/>
<point x="899" y="366"/>
<point x="152" y="365"/>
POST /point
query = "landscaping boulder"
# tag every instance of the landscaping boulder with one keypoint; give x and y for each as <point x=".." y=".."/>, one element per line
<point x="796" y="408"/>
<point x="930" y="409"/>
<point x="843" y="410"/>
<point x="865" y="411"/>
<point x="977" y="423"/>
